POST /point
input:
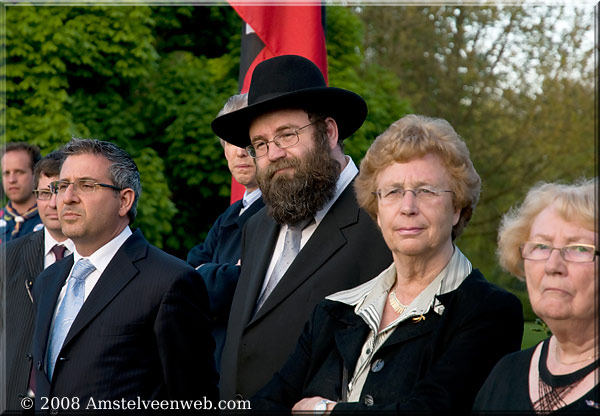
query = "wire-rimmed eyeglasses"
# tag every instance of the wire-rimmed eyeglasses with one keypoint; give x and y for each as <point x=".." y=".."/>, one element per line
<point x="43" y="194"/>
<point x="575" y="253"/>
<point x="85" y="186"/>
<point x="422" y="193"/>
<point x="283" y="140"/>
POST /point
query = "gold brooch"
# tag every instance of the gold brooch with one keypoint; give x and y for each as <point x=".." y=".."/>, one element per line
<point x="418" y="319"/>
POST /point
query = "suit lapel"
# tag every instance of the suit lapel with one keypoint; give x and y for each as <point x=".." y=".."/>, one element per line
<point x="235" y="219"/>
<point x="410" y="329"/>
<point x="327" y="239"/>
<point x="46" y="301"/>
<point x="25" y="261"/>
<point x="33" y="254"/>
<point x="420" y="327"/>
<point x="349" y="332"/>
<point x="233" y="214"/>
<point x="252" y="209"/>
<point x="116" y="276"/>
<point x="262" y="248"/>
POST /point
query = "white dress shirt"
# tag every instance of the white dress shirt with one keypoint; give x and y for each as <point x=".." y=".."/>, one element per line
<point x="249" y="199"/>
<point x="100" y="259"/>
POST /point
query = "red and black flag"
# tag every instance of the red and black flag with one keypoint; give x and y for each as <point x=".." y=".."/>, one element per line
<point x="273" y="30"/>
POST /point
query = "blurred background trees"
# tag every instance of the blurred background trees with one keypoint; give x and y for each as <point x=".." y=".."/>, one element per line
<point x="517" y="83"/>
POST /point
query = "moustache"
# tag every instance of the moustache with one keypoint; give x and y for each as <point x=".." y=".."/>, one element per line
<point x="281" y="164"/>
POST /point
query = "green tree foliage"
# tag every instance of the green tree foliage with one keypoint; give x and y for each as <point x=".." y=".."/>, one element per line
<point x="71" y="72"/>
<point x="349" y="69"/>
<point x="515" y="82"/>
<point x="151" y="79"/>
<point x="181" y="99"/>
<point x="112" y="73"/>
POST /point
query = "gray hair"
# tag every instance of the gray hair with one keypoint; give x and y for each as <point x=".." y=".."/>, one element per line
<point x="573" y="202"/>
<point x="123" y="171"/>
<point x="234" y="103"/>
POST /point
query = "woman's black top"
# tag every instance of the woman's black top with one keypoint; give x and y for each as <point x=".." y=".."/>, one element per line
<point x="507" y="387"/>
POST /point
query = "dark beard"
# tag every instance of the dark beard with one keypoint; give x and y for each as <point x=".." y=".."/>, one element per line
<point x="290" y="200"/>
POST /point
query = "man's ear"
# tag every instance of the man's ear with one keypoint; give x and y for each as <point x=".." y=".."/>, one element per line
<point x="127" y="197"/>
<point x="332" y="132"/>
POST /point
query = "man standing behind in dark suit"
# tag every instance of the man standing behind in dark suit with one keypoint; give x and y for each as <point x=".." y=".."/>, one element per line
<point x="119" y="319"/>
<point x="22" y="261"/>
<point x="311" y="239"/>
<point x="217" y="258"/>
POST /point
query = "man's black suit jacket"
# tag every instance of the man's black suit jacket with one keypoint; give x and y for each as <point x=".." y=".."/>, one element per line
<point x="346" y="249"/>
<point x="218" y="255"/>
<point x="143" y="331"/>
<point x="20" y="263"/>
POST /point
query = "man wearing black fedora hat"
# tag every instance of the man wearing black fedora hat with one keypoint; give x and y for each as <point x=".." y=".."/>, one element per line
<point x="311" y="239"/>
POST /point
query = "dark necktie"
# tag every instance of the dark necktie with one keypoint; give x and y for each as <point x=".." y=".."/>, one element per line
<point x="59" y="251"/>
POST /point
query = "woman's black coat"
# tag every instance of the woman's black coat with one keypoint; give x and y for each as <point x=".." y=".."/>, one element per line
<point x="436" y="364"/>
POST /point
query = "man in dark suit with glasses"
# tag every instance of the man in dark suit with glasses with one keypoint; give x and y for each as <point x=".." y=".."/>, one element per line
<point x="22" y="261"/>
<point x="119" y="319"/>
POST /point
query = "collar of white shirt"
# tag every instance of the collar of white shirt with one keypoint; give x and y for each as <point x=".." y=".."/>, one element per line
<point x="370" y="297"/>
<point x="346" y="176"/>
<point x="249" y="199"/>
<point x="101" y="257"/>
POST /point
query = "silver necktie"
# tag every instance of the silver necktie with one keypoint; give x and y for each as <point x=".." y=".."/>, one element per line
<point x="68" y="310"/>
<point x="291" y="247"/>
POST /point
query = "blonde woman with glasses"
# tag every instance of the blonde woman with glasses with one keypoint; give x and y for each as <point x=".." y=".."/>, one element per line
<point x="551" y="242"/>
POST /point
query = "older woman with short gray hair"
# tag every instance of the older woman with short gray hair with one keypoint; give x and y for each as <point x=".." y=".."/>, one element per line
<point x="551" y="242"/>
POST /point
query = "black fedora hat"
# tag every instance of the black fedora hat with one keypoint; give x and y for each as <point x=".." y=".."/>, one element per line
<point x="291" y="81"/>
